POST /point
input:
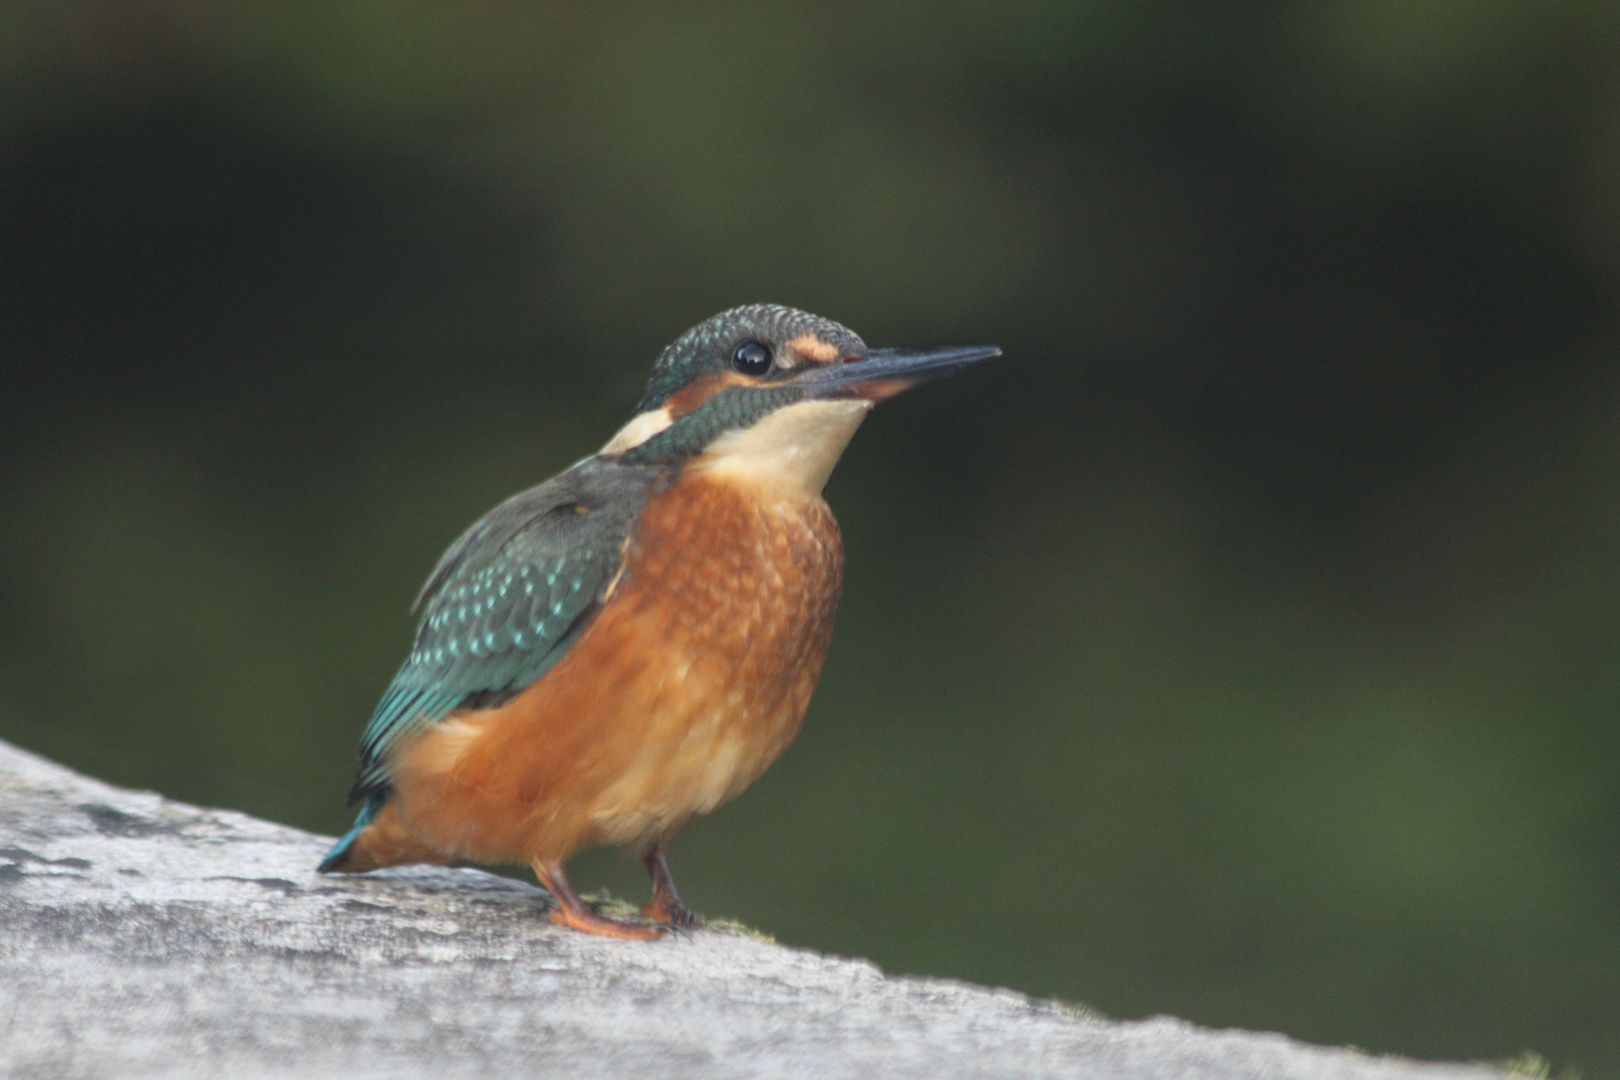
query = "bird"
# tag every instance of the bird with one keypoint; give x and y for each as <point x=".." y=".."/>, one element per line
<point x="605" y="657"/>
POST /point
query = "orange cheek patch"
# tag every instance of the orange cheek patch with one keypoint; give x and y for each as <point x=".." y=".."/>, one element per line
<point x="694" y="394"/>
<point x="814" y="349"/>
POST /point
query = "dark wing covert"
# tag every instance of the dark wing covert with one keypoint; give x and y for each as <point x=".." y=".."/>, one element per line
<point x="506" y="601"/>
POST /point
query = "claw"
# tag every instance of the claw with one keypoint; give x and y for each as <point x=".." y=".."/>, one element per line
<point x="671" y="912"/>
<point x="665" y="906"/>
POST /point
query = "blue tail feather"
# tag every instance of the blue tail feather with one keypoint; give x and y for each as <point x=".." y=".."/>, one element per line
<point x="340" y="850"/>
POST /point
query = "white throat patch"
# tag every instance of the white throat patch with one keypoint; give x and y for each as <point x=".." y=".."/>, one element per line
<point x="793" y="450"/>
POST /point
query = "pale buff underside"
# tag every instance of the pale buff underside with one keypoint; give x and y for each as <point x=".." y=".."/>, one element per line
<point x="680" y="755"/>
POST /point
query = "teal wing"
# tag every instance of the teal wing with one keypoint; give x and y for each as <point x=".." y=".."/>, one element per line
<point x="505" y="603"/>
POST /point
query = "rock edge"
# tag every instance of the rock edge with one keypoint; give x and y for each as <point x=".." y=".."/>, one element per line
<point x="141" y="937"/>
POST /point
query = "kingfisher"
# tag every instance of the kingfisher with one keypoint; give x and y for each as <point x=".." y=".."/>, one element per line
<point x="607" y="656"/>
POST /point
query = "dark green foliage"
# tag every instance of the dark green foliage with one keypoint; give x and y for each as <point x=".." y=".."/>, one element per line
<point x="1243" y="645"/>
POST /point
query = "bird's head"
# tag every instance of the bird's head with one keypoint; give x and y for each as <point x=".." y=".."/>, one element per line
<point x="771" y="394"/>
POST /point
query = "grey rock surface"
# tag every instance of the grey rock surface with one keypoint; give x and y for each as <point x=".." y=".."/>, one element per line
<point x="145" y="938"/>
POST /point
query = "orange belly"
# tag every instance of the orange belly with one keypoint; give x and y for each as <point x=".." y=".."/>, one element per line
<point x="692" y="679"/>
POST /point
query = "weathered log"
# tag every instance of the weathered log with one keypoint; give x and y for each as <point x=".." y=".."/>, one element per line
<point x="141" y="937"/>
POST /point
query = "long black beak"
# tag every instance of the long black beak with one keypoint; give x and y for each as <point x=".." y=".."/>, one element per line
<point x="883" y="373"/>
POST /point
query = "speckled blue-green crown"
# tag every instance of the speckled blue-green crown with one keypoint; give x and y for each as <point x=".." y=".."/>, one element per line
<point x="708" y="346"/>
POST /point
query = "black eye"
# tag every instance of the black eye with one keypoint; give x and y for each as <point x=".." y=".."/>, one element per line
<point x="751" y="358"/>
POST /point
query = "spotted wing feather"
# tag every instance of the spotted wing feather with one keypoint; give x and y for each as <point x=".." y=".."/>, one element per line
<point x="506" y="601"/>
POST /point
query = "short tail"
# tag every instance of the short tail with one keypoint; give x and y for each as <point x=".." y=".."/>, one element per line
<point x="379" y="838"/>
<point x="338" y="857"/>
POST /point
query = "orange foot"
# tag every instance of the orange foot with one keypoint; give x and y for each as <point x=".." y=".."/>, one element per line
<point x="570" y="911"/>
<point x="591" y="923"/>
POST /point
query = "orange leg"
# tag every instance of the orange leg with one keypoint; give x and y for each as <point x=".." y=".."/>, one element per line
<point x="665" y="905"/>
<point x="570" y="910"/>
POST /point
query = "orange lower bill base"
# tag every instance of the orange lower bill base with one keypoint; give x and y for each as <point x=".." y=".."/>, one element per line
<point x="880" y="390"/>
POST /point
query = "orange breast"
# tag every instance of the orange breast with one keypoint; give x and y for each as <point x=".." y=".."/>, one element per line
<point x="694" y="676"/>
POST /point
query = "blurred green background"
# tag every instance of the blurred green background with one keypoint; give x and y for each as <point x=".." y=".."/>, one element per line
<point x="1245" y="645"/>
